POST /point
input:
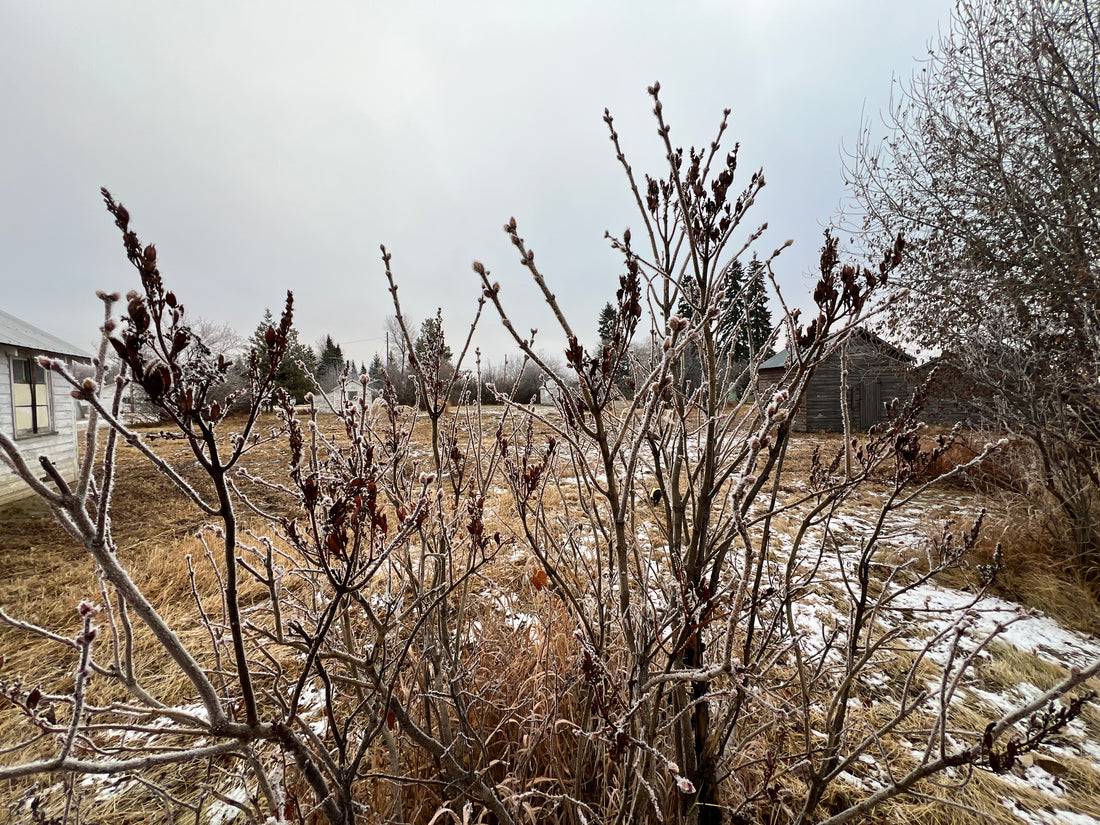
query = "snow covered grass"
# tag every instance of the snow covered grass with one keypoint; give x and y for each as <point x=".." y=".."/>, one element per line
<point x="1060" y="781"/>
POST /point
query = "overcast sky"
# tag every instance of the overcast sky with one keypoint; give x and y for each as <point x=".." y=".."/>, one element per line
<point x="266" y="146"/>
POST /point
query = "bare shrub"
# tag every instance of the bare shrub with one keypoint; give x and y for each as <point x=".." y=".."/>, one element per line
<point x="653" y="622"/>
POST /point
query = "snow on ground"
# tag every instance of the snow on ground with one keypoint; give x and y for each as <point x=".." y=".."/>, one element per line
<point x="927" y="610"/>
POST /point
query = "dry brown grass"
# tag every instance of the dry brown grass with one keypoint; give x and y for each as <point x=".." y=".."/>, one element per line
<point x="526" y="672"/>
<point x="57" y="578"/>
<point x="1038" y="565"/>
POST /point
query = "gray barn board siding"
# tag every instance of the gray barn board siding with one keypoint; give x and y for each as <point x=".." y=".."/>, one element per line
<point x="877" y="374"/>
<point x="951" y="397"/>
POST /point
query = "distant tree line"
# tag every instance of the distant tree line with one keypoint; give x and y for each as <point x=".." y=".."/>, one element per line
<point x="302" y="369"/>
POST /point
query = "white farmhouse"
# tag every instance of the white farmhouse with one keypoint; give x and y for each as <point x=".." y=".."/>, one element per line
<point x="36" y="408"/>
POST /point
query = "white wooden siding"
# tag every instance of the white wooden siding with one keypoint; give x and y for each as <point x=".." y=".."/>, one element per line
<point x="59" y="446"/>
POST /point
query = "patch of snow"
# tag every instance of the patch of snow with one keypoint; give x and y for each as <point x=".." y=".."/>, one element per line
<point x="108" y="787"/>
<point x="1036" y="779"/>
<point x="856" y="782"/>
<point x="1052" y="816"/>
<point x="925" y="612"/>
<point x="1070" y="818"/>
<point x="1001" y="703"/>
<point x="1090" y="749"/>
<point x="219" y="813"/>
<point x="1023" y="814"/>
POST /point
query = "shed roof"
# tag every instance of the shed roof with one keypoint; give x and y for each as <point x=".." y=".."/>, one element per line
<point x="779" y="360"/>
<point x="17" y="332"/>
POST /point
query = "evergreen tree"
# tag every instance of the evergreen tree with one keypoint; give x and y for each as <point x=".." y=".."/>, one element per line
<point x="759" y="326"/>
<point x="608" y="316"/>
<point x="746" y="323"/>
<point x="375" y="368"/>
<point x="730" y="328"/>
<point x="744" y="326"/>
<point x="430" y="344"/>
<point x="289" y="376"/>
<point x="330" y="364"/>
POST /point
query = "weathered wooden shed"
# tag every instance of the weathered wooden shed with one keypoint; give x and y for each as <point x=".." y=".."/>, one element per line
<point x="877" y="374"/>
<point x="36" y="409"/>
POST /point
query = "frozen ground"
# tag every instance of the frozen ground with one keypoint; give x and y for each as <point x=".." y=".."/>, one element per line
<point x="927" y="610"/>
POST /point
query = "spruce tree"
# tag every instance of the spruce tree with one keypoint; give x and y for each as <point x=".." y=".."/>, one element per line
<point x="295" y="380"/>
<point x="759" y="326"/>
<point x="730" y="325"/>
<point x="606" y="329"/>
<point x="330" y="364"/>
<point x="430" y="343"/>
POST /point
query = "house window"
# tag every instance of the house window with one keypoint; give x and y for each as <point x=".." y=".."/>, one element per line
<point x="30" y="396"/>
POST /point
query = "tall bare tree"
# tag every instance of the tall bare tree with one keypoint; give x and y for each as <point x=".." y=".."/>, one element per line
<point x="992" y="170"/>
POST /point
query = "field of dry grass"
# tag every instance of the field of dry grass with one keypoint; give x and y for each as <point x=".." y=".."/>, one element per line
<point x="43" y="577"/>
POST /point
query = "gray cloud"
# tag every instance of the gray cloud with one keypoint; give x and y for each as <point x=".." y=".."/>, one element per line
<point x="273" y="146"/>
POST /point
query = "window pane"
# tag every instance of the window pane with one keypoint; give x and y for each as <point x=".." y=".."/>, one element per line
<point x="22" y="419"/>
<point x="30" y="401"/>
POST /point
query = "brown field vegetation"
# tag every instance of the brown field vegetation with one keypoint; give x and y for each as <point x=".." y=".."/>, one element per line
<point x="44" y="575"/>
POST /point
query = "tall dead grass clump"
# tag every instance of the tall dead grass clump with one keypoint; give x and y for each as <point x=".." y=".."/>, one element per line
<point x="1042" y="566"/>
<point x="1027" y="530"/>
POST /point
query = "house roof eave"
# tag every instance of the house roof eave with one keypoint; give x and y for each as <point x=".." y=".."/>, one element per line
<point x="15" y="332"/>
